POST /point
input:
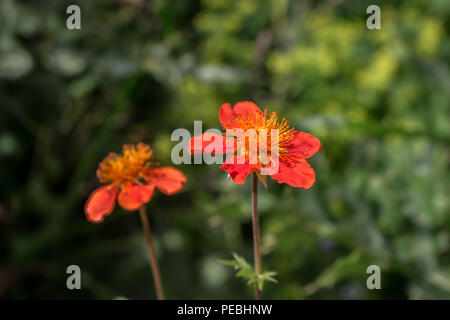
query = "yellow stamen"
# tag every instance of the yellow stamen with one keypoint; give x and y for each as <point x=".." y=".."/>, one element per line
<point x="261" y="120"/>
<point x="130" y="166"/>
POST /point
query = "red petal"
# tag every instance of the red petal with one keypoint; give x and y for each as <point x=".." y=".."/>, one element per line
<point x="100" y="203"/>
<point x="237" y="171"/>
<point x="225" y="114"/>
<point x="304" y="144"/>
<point x="246" y="107"/>
<point x="213" y="141"/>
<point x="302" y="175"/>
<point x="167" y="179"/>
<point x="133" y="196"/>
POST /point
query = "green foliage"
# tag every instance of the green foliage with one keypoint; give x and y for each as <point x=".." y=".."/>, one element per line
<point x="246" y="271"/>
<point x="378" y="100"/>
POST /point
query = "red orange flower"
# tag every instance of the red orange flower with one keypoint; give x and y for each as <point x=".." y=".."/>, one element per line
<point x="292" y="147"/>
<point x="130" y="178"/>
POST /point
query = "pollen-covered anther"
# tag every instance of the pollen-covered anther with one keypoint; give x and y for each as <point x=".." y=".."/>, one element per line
<point x="130" y="166"/>
<point x="263" y="123"/>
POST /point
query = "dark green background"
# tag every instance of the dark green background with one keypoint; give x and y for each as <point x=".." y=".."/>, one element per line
<point x="378" y="100"/>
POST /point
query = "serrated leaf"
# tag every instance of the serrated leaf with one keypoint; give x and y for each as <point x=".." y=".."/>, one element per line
<point x="268" y="275"/>
<point x="229" y="263"/>
<point x="246" y="271"/>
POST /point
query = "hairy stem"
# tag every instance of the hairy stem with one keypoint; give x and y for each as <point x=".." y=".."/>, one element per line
<point x="151" y="253"/>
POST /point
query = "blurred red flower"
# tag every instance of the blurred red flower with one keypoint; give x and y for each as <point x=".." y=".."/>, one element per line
<point x="130" y="178"/>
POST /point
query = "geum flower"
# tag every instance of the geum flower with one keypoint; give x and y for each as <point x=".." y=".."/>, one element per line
<point x="130" y="178"/>
<point x="291" y="150"/>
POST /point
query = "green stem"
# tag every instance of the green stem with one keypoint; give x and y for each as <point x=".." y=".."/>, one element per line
<point x="256" y="246"/>
<point x="151" y="253"/>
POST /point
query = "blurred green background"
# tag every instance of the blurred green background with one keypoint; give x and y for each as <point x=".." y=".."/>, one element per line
<point x="378" y="100"/>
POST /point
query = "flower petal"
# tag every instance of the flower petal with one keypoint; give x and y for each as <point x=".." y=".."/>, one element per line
<point x="133" y="196"/>
<point x="214" y="142"/>
<point x="302" y="175"/>
<point x="226" y="113"/>
<point x="304" y="145"/>
<point x="246" y="107"/>
<point x="237" y="170"/>
<point x="100" y="203"/>
<point x="167" y="179"/>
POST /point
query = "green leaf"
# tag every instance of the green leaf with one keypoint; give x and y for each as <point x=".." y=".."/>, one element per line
<point x="246" y="271"/>
<point x="338" y="270"/>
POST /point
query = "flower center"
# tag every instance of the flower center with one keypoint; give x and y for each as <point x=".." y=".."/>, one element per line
<point x="131" y="165"/>
<point x="259" y="126"/>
